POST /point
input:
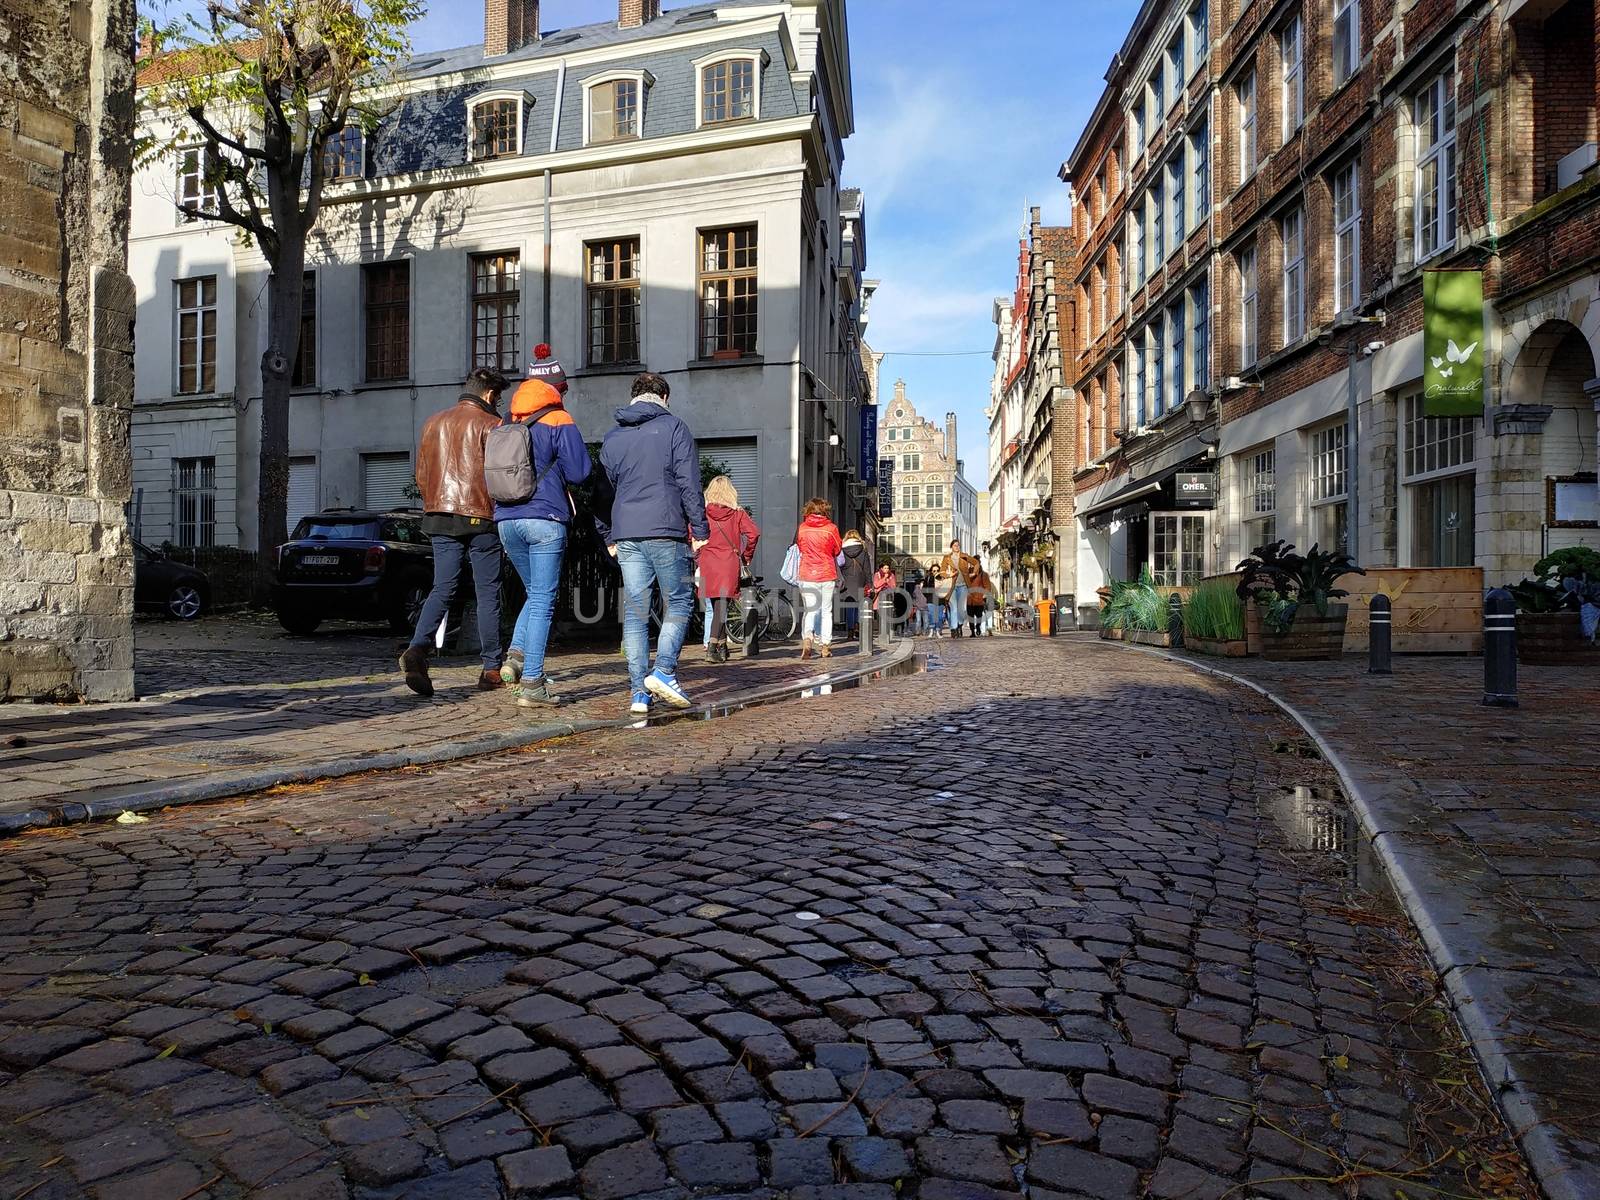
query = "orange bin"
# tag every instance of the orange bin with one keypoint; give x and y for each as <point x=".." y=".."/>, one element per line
<point x="1046" y="608"/>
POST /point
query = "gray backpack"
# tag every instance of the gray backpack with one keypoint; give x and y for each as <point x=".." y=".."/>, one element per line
<point x="508" y="463"/>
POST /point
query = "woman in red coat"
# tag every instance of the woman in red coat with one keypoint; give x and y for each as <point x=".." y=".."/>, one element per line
<point x="722" y="559"/>
<point x="820" y="545"/>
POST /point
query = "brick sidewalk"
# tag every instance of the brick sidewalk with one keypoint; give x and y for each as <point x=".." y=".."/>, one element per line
<point x="237" y="696"/>
<point x="1490" y="818"/>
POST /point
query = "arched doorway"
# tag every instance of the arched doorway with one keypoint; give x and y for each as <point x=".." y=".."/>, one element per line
<point x="1555" y="368"/>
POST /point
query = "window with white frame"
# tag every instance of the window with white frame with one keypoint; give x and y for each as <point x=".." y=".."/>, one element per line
<point x="1176" y="195"/>
<point x="1346" y="39"/>
<point x="1175" y="71"/>
<point x="496" y="310"/>
<point x="1136" y="130"/>
<point x="1177" y="548"/>
<point x="911" y="462"/>
<point x="1330" y="522"/>
<point x="1199" y="33"/>
<point x="1175" y="347"/>
<point x="196" y="329"/>
<point x="1249" y="304"/>
<point x="1200" y="314"/>
<point x="1158" y="362"/>
<point x="1433" y="112"/>
<point x="615" y="111"/>
<point x="1135" y="397"/>
<point x="196" y="194"/>
<point x="1291" y="60"/>
<point x="911" y="496"/>
<point x="1136" y="263"/>
<point x="1261" y="496"/>
<point x="1200" y="171"/>
<point x="935" y="496"/>
<point x="1245" y="94"/>
<point x="1293" y="228"/>
<point x="729" y="91"/>
<point x="344" y="155"/>
<point x="911" y="539"/>
<point x="194" y="501"/>
<point x="1157" y="209"/>
<point x="1157" y="98"/>
<point x="495" y="128"/>
<point x="1347" y="236"/>
<point x="1438" y="470"/>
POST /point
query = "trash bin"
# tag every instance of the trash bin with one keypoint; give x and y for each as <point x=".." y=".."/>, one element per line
<point x="1044" y="608"/>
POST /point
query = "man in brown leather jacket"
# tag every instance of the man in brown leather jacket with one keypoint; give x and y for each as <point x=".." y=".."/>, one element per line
<point x="460" y="521"/>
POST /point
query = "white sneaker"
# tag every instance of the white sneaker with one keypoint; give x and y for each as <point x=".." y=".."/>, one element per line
<point x="668" y="690"/>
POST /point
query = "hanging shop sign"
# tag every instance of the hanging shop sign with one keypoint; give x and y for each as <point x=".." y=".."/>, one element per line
<point x="1194" y="489"/>
<point x="886" y="486"/>
<point x="869" y="444"/>
<point x="1452" y="343"/>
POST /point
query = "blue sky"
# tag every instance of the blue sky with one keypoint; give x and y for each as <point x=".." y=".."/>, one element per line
<point x="964" y="111"/>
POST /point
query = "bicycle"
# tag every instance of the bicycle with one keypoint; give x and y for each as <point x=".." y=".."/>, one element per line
<point x="774" y="614"/>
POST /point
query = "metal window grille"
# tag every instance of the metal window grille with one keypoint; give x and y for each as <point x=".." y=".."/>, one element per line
<point x="614" y="111"/>
<point x="197" y="335"/>
<point x="194" y="501"/>
<point x="305" y="355"/>
<point x="729" y="306"/>
<point x="496" y="129"/>
<point x="1434" y="116"/>
<point x="728" y="90"/>
<point x="388" y="313"/>
<point x="496" y="310"/>
<point x="612" y="272"/>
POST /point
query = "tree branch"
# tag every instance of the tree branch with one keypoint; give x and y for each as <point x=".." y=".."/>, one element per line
<point x="197" y="114"/>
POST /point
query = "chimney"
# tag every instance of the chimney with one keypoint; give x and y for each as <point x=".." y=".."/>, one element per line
<point x="899" y="389"/>
<point x="633" y="13"/>
<point x="509" y="25"/>
<point x="950" y="437"/>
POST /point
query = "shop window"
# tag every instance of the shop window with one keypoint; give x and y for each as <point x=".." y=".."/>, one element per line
<point x="1177" y="548"/>
<point x="1330" y="510"/>
<point x="1440" y="479"/>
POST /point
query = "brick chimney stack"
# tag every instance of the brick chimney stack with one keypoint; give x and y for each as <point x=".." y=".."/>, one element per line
<point x="950" y="437"/>
<point x="509" y="25"/>
<point x="633" y="13"/>
<point x="899" y="389"/>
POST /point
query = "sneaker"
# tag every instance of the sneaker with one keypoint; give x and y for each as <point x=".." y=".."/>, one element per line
<point x="511" y="669"/>
<point x="668" y="690"/>
<point x="537" y="695"/>
<point x="414" y="666"/>
<point x="641" y="704"/>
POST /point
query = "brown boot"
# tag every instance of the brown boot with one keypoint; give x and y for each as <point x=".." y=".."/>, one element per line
<point x="825" y="649"/>
<point x="414" y="666"/>
<point x="805" y="649"/>
<point x="490" y="681"/>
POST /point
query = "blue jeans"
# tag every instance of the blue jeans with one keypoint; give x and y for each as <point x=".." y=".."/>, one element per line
<point x="666" y="563"/>
<point x="958" y="606"/>
<point x="535" y="549"/>
<point x="450" y="558"/>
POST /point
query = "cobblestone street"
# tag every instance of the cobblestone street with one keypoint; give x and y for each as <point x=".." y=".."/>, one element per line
<point x="1041" y="919"/>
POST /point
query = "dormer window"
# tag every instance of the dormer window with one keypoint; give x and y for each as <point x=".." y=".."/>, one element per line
<point x="730" y="87"/>
<point x="343" y="155"/>
<point x="495" y="126"/>
<point x="614" y="111"/>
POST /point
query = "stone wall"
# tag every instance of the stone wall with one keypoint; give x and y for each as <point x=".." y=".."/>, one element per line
<point x="66" y="340"/>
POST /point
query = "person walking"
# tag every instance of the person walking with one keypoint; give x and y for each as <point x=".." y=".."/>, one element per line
<point x="648" y="495"/>
<point x="957" y="569"/>
<point x="534" y="531"/>
<point x="919" y="606"/>
<point x="884" y="584"/>
<point x="459" y="520"/>
<point x="855" y="579"/>
<point x="820" y="545"/>
<point x="930" y="600"/>
<point x="728" y="550"/>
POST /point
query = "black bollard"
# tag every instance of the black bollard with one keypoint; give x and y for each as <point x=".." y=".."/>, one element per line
<point x="1381" y="618"/>
<point x="864" y="629"/>
<point x="752" y="623"/>
<point x="1500" y="649"/>
<point x="1175" y="620"/>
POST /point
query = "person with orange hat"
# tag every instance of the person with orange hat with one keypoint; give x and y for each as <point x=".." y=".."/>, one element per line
<point x="546" y="368"/>
<point x="534" y="531"/>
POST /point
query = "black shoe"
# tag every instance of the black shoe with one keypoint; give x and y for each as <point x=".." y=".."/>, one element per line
<point x="414" y="665"/>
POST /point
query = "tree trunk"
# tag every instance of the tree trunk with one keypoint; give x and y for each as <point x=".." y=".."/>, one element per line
<point x="284" y="291"/>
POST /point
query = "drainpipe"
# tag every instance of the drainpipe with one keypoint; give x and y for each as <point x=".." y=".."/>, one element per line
<point x="555" y="133"/>
<point x="1352" y="460"/>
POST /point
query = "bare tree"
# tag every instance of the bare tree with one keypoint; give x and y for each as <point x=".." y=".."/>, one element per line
<point x="262" y="87"/>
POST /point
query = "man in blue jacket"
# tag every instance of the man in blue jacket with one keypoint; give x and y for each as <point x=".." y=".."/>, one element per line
<point x="654" y="522"/>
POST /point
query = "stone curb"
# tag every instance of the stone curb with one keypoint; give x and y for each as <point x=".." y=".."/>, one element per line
<point x="1559" y="1177"/>
<point x="106" y="803"/>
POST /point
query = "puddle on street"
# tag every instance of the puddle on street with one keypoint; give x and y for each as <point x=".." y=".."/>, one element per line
<point x="1319" y="823"/>
<point x="810" y="689"/>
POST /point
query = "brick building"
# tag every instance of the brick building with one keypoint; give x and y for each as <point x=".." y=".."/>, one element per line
<point x="66" y="314"/>
<point x="1355" y="145"/>
<point x="1033" y="421"/>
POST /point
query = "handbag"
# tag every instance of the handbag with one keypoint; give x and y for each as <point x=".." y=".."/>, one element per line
<point x="790" y="571"/>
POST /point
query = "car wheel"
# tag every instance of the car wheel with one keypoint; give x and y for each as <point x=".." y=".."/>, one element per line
<point x="186" y="602"/>
<point x="405" y="617"/>
<point x="297" y="621"/>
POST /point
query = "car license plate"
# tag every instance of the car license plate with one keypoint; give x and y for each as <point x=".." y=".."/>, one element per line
<point x="320" y="560"/>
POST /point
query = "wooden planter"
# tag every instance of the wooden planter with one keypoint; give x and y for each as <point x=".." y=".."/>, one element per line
<point x="1149" y="637"/>
<point x="1216" y="646"/>
<point x="1312" y="637"/>
<point x="1553" y="638"/>
<point x="1111" y="635"/>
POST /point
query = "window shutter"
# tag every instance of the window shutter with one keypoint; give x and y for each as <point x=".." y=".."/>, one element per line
<point x="302" y="490"/>
<point x="739" y="456"/>
<point x="384" y="480"/>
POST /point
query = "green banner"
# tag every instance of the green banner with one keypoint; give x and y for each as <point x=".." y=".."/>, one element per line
<point x="1452" y="343"/>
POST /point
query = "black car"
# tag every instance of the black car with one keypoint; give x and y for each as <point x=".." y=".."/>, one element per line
<point x="356" y="564"/>
<point x="162" y="585"/>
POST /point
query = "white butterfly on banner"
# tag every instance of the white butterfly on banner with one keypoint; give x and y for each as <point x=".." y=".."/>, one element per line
<point x="1456" y="355"/>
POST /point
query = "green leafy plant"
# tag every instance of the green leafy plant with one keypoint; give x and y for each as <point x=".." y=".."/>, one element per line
<point x="1566" y="580"/>
<point x="1214" y="612"/>
<point x="1568" y="562"/>
<point x="1280" y="580"/>
<point x="1135" y="604"/>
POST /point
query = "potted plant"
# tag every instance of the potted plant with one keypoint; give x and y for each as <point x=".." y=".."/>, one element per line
<point x="1214" y="619"/>
<point x="1135" y="612"/>
<point x="1294" y="594"/>
<point x="1558" y="610"/>
<point x="1114" y="605"/>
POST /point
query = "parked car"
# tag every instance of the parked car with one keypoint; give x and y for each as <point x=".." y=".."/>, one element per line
<point x="162" y="585"/>
<point x="356" y="564"/>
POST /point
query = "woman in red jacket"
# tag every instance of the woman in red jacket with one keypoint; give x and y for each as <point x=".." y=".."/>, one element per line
<point x="724" y="557"/>
<point x="820" y="544"/>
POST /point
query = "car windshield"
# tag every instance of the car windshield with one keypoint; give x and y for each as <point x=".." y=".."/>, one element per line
<point x="336" y="528"/>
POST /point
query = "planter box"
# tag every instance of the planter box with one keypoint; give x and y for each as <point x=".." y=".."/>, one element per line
<point x="1311" y="638"/>
<point x="1111" y="635"/>
<point x="1218" y="647"/>
<point x="1553" y="638"/>
<point x="1149" y="637"/>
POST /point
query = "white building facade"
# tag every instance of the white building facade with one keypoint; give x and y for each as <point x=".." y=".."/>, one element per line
<point x="933" y="500"/>
<point x="678" y="172"/>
